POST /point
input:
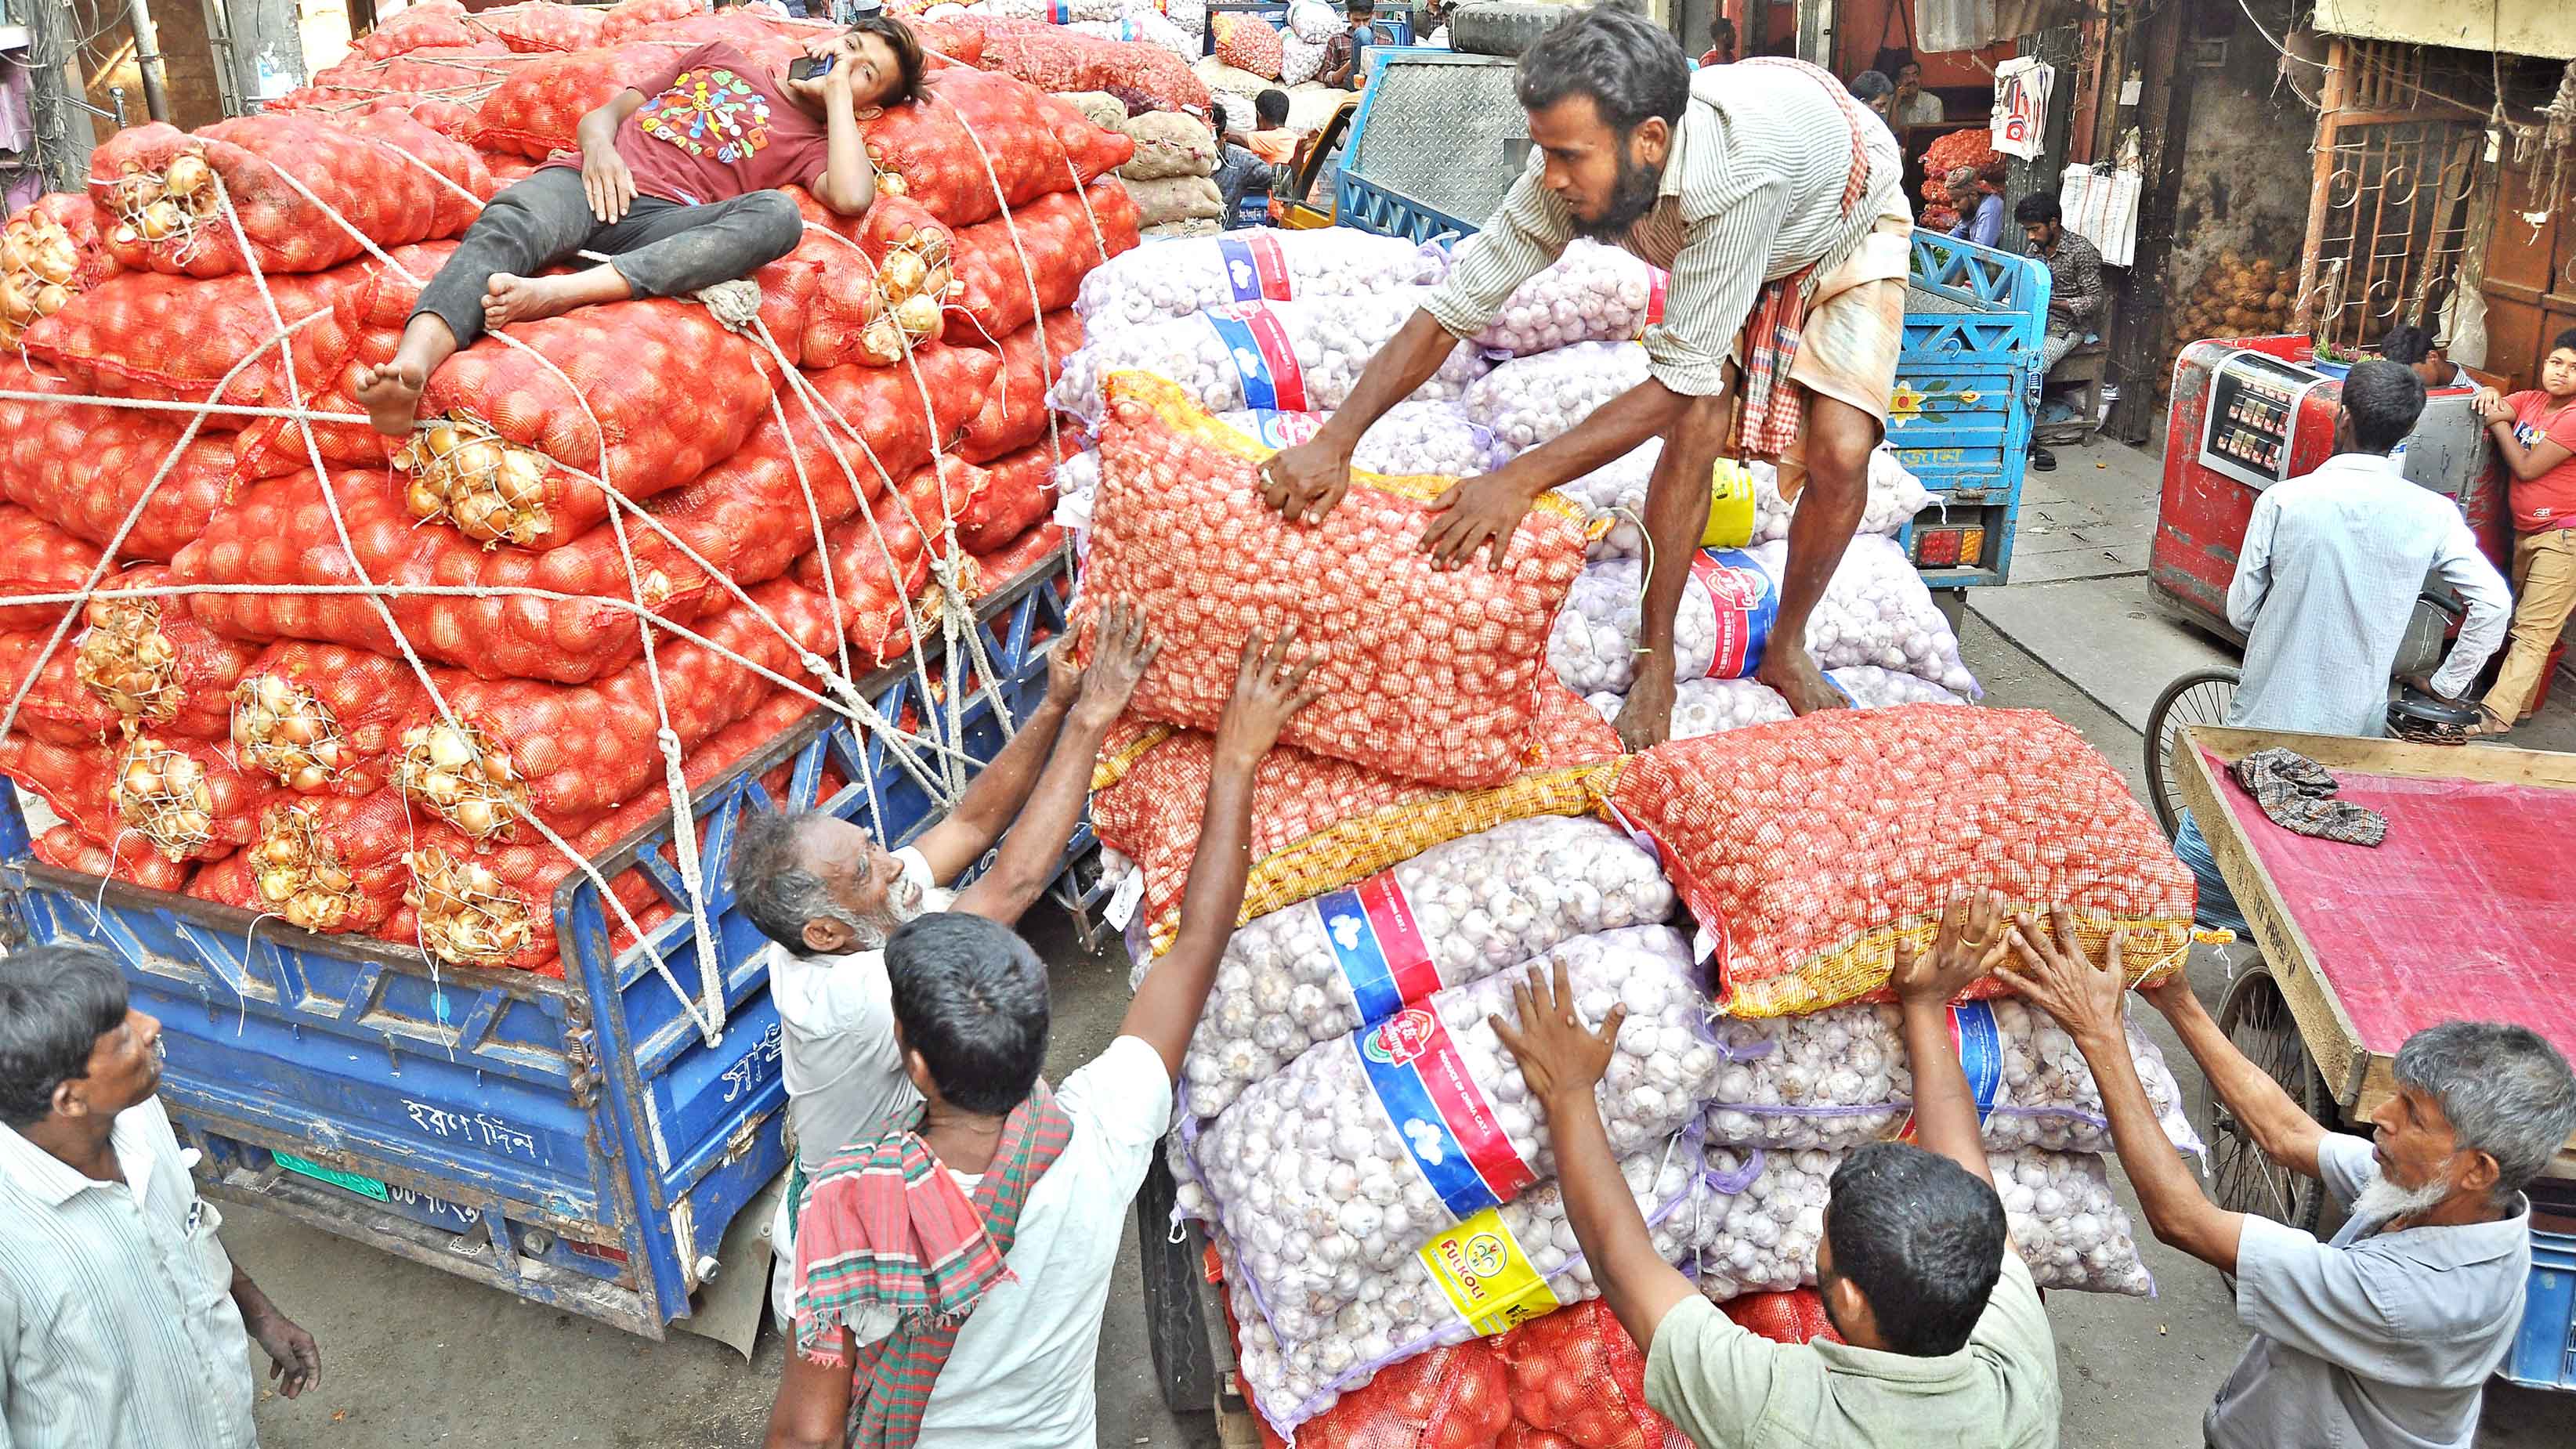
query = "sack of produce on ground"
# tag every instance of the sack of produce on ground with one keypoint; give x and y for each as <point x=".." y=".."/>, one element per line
<point x="1055" y="59"/>
<point x="1771" y="832"/>
<point x="323" y="719"/>
<point x="469" y="183"/>
<point x="1177" y="279"/>
<point x="454" y="73"/>
<point x="1168" y="143"/>
<point x="568" y="754"/>
<point x="1591" y="293"/>
<point x="536" y="29"/>
<point x="186" y="798"/>
<point x="2059" y="1207"/>
<point x="1414" y="438"/>
<point x="1300" y="60"/>
<point x="641" y="396"/>
<point x="1457" y="913"/>
<point x="771" y="42"/>
<point x="1295" y="356"/>
<point x="535" y="110"/>
<point x="1174" y="198"/>
<point x="153" y="662"/>
<point x="1710" y="706"/>
<point x="1617" y="491"/>
<point x="1837" y="1079"/>
<point x="1427" y="673"/>
<point x="1059" y="238"/>
<point x="49" y="252"/>
<point x="1528" y="401"/>
<point x="308" y="196"/>
<point x="983" y="141"/>
<point x="1015" y="413"/>
<point x="1876" y="610"/>
<point x="68" y="849"/>
<point x="1297" y="1367"/>
<point x="38" y="557"/>
<point x="1320" y="824"/>
<point x="1247" y="42"/>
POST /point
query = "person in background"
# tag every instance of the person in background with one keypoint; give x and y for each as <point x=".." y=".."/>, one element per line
<point x="2387" y="1334"/>
<point x="675" y="179"/>
<point x="1913" y="105"/>
<point x="1943" y="1337"/>
<point x="828" y="894"/>
<point x="1346" y="54"/>
<point x="955" y="1258"/>
<point x="2415" y="347"/>
<point x="1874" y="90"/>
<point x="1721" y="43"/>
<point x="1238" y="169"/>
<point x="2075" y="287"/>
<point x="2535" y="436"/>
<point x="1979" y="196"/>
<point x="123" y="1323"/>
<point x="2326" y="581"/>
<point x="1274" y="142"/>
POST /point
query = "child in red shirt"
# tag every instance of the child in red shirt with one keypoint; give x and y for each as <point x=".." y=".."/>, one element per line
<point x="2535" y="436"/>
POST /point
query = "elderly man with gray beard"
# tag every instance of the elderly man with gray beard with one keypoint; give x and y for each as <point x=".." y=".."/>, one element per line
<point x="829" y="894"/>
<point x="2385" y="1336"/>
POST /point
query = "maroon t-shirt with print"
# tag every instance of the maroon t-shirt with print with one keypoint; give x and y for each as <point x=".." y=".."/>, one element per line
<point x="713" y="127"/>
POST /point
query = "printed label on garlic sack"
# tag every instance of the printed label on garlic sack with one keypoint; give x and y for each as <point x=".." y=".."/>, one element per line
<point x="1439" y="1112"/>
<point x="1378" y="946"/>
<point x="1979" y="1040"/>
<point x="1255" y="267"/>
<point x="1481" y="1269"/>
<point x="1276" y="429"/>
<point x="1264" y="360"/>
<point x="1744" y="601"/>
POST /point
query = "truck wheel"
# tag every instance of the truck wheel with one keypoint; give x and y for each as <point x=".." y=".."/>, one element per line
<point x="1176" y="1326"/>
<point x="1502" y="27"/>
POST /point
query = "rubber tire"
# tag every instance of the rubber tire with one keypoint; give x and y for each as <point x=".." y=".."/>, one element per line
<point x="1176" y="1326"/>
<point x="1502" y="27"/>
<point x="2162" y="792"/>
<point x="2254" y="1006"/>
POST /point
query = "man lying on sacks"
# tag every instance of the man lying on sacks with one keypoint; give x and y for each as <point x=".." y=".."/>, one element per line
<point x="2384" y="1336"/>
<point x="954" y="1258"/>
<point x="828" y="894"/>
<point x="1943" y="1338"/>
<point x="1777" y="203"/>
<point x="676" y="181"/>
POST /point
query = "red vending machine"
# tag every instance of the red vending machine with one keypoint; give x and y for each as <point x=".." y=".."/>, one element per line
<point x="2255" y="411"/>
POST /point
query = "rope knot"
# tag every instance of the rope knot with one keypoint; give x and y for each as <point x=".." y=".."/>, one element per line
<point x="735" y="304"/>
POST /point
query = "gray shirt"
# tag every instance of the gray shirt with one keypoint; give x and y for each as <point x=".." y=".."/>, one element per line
<point x="2325" y="583"/>
<point x="2382" y="1340"/>
<point x="117" y="1323"/>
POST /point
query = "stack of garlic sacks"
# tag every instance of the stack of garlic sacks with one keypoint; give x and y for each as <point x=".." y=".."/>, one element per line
<point x="272" y="750"/>
<point x="1346" y="1242"/>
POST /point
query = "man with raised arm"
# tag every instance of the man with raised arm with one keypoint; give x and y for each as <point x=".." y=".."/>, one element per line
<point x="1777" y="203"/>
<point x="1944" y="1341"/>
<point x="2385" y="1336"/>
<point x="954" y="1259"/>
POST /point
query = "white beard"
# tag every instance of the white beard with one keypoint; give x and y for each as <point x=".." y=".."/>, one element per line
<point x="2382" y="1200"/>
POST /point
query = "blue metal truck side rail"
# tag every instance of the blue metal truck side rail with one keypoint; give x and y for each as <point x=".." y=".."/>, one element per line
<point x="577" y="1142"/>
<point x="1967" y="390"/>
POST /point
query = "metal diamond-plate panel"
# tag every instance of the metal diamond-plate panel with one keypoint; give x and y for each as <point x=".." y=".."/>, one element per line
<point x="1444" y="131"/>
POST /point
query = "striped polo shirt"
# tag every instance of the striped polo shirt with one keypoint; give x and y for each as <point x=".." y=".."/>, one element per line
<point x="117" y="1324"/>
<point x="1752" y="190"/>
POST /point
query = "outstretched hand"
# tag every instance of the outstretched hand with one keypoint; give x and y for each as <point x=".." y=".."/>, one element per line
<point x="2052" y="973"/>
<point x="1269" y="688"/>
<point x="1972" y="941"/>
<point x="1474" y="513"/>
<point x="1559" y="1059"/>
<point x="1122" y="649"/>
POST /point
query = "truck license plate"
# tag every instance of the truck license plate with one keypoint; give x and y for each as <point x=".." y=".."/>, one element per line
<point x="353" y="1182"/>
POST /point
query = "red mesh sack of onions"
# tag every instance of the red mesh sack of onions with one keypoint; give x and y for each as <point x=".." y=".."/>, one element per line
<point x="413" y="29"/>
<point x="876" y="285"/>
<point x="280" y="533"/>
<point x="85" y="466"/>
<point x="534" y="111"/>
<point x="56" y="709"/>
<point x="68" y="849"/>
<point x="159" y="183"/>
<point x="73" y="780"/>
<point x="1577" y="1374"/>
<point x="333" y="862"/>
<point x="508" y="430"/>
<point x="1248" y="42"/>
<point x="569" y="754"/>
<point x="1019" y="492"/>
<point x="1320" y="824"/>
<point x="451" y="72"/>
<point x="1063" y="236"/>
<point x="50" y="251"/>
<point x="627" y="17"/>
<point x="152" y="661"/>
<point x="322" y="718"/>
<point x="885" y="419"/>
<point x="938" y="151"/>
<point x="534" y="29"/>
<point x="1015" y="415"/>
<point x="470" y="183"/>
<point x="1057" y="60"/>
<point x="1797" y="1316"/>
<point x="1453" y="1397"/>
<point x="769" y="43"/>
<point x="1426" y="673"/>
<point x="994" y="571"/>
<point x="186" y="798"/>
<point x="1803" y="851"/>
<point x="36" y="557"/>
<point x="143" y="335"/>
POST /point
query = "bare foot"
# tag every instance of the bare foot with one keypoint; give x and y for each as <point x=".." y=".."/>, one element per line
<point x="391" y="392"/>
<point x="1793" y="672"/>
<point x="511" y="299"/>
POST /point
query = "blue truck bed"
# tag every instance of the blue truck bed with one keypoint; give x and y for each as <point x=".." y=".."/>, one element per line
<point x="577" y="1142"/>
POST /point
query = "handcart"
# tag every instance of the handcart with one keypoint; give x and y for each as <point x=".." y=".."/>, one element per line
<point x="2463" y="911"/>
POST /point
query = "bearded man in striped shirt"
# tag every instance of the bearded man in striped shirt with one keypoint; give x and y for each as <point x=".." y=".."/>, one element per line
<point x="1776" y="202"/>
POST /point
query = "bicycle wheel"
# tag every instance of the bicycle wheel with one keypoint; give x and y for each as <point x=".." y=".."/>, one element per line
<point x="2200" y="697"/>
<point x="2258" y="1023"/>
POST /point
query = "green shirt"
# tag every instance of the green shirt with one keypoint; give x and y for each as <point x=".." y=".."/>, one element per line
<point x="1725" y="1386"/>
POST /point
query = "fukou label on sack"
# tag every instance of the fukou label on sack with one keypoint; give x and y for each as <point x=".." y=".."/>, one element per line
<point x="1486" y="1276"/>
<point x="1745" y="601"/>
<point x="1379" y="946"/>
<point x="1276" y="429"/>
<point x="1979" y="1040"/>
<point x="1447" y="1126"/>
<point x="1255" y="268"/>
<point x="1263" y="358"/>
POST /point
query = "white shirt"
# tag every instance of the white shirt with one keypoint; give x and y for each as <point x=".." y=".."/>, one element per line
<point x="1021" y="1374"/>
<point x="2325" y="583"/>
<point x="837" y="1054"/>
<point x="118" y="1328"/>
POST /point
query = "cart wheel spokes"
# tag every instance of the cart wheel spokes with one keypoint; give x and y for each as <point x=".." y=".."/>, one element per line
<point x="2258" y="1022"/>
<point x="2199" y="697"/>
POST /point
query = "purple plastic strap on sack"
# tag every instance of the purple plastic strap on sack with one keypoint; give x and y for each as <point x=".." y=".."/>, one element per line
<point x="1728" y="1184"/>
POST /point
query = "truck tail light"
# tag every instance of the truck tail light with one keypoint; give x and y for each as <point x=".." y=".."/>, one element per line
<point x="1952" y="545"/>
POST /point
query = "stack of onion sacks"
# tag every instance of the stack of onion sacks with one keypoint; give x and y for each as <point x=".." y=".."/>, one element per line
<point x="156" y="206"/>
<point x="153" y="663"/>
<point x="40" y="265"/>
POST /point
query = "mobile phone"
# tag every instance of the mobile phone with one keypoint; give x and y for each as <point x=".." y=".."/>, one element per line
<point x="809" y="67"/>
